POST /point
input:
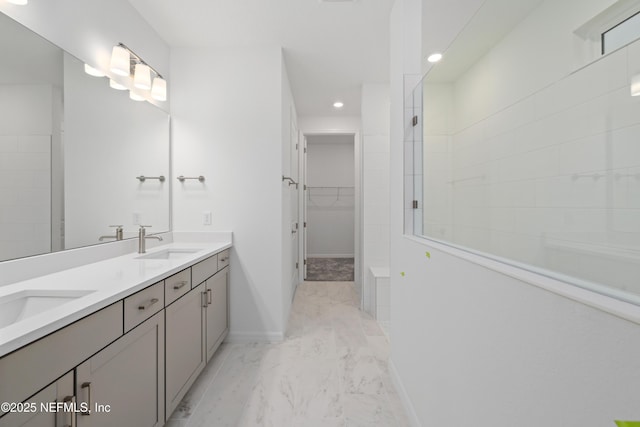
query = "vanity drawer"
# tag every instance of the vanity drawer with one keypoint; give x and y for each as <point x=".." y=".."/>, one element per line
<point x="223" y="259"/>
<point x="142" y="305"/>
<point x="177" y="285"/>
<point x="203" y="270"/>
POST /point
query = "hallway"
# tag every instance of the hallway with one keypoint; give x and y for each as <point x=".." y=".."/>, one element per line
<point x="331" y="370"/>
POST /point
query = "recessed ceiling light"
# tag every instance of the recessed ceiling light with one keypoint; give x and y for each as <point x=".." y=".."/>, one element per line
<point x="434" y="57"/>
<point x="338" y="104"/>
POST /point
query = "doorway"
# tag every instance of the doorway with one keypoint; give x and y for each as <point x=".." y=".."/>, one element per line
<point x="330" y="207"/>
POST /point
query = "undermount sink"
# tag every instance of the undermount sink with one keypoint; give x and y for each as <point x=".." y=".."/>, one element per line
<point x="169" y="254"/>
<point x="23" y="304"/>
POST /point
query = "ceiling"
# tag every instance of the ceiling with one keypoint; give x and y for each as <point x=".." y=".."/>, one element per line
<point x="479" y="31"/>
<point x="330" y="49"/>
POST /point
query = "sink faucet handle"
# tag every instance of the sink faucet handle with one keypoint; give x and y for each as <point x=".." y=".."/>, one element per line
<point x="117" y="226"/>
<point x="145" y="226"/>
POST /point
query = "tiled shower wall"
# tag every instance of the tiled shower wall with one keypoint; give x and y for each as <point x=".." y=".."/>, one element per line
<point x="25" y="170"/>
<point x="551" y="180"/>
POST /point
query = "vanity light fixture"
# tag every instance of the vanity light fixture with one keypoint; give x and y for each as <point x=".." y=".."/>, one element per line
<point x="126" y="62"/>
<point x="338" y="104"/>
<point x="635" y="85"/>
<point x="93" y="71"/>
<point x="434" y="57"/>
<point x="120" y="61"/>
<point x="142" y="77"/>
<point x="18" y="2"/>
<point x="159" y="89"/>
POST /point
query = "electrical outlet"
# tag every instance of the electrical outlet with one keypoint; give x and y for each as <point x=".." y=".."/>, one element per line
<point x="137" y="218"/>
<point x="206" y="218"/>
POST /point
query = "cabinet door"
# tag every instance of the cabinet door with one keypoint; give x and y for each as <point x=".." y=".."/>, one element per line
<point x="37" y="415"/>
<point x="123" y="384"/>
<point x="217" y="309"/>
<point x="185" y="353"/>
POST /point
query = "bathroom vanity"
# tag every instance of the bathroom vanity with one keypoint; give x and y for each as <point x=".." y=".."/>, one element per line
<point x="114" y="342"/>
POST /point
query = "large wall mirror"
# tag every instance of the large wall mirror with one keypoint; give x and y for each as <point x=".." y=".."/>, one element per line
<point x="71" y="149"/>
<point x="528" y="145"/>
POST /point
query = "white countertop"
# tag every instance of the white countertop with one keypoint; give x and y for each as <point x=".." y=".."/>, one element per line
<point x="109" y="281"/>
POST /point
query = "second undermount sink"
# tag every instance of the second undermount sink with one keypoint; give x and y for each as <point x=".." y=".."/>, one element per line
<point x="23" y="304"/>
<point x="170" y="254"/>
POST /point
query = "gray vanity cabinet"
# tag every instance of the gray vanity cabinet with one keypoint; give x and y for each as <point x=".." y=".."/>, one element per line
<point x="35" y="416"/>
<point x="123" y="383"/>
<point x="185" y="355"/>
<point x="217" y="315"/>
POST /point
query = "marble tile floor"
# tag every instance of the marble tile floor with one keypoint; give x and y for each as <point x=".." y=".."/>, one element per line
<point x="331" y="370"/>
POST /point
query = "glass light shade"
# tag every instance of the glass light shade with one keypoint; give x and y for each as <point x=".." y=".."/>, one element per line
<point x="18" y="2"/>
<point x="115" y="85"/>
<point x="142" y="77"/>
<point x="635" y="85"/>
<point x="159" y="89"/>
<point x="338" y="104"/>
<point x="93" y="71"/>
<point x="135" y="96"/>
<point x="120" y="58"/>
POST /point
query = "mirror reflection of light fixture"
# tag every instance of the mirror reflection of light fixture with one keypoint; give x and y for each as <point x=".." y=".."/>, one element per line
<point x="120" y="61"/>
<point x="159" y="89"/>
<point x="115" y="85"/>
<point x="93" y="71"/>
<point x="136" y="97"/>
<point x="142" y="77"/>
<point x="635" y="85"/>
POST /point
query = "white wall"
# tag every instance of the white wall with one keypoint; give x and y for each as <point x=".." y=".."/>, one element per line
<point x="330" y="196"/>
<point x="313" y="124"/>
<point x="227" y="125"/>
<point x="485" y="347"/>
<point x="375" y="188"/>
<point x="26" y="115"/>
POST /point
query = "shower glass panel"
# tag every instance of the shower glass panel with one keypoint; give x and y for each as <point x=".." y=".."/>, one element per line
<point x="527" y="147"/>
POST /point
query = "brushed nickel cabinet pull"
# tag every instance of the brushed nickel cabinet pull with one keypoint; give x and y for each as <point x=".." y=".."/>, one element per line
<point x="72" y="401"/>
<point x="180" y="285"/>
<point x="148" y="304"/>
<point x="87" y="385"/>
<point x="209" y="292"/>
<point x="204" y="299"/>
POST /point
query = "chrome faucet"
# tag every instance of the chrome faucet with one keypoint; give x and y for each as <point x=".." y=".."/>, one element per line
<point x="142" y="239"/>
<point x="118" y="235"/>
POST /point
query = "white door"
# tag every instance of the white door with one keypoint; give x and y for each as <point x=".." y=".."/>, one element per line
<point x="305" y="197"/>
<point x="295" y="217"/>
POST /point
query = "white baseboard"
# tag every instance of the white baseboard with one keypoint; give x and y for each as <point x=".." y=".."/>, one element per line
<point x="330" y="256"/>
<point x="249" y="337"/>
<point x="404" y="396"/>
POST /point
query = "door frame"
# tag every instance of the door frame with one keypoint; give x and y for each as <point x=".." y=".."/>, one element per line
<point x="358" y="244"/>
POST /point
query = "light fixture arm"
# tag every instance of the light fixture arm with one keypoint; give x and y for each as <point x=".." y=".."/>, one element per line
<point x="138" y="59"/>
